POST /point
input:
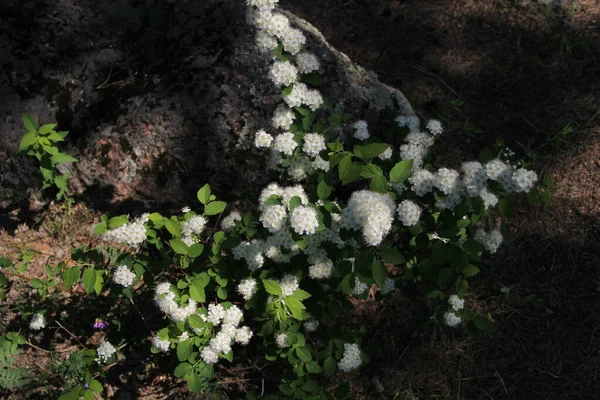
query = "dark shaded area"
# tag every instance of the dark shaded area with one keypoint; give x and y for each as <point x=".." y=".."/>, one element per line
<point x="521" y="72"/>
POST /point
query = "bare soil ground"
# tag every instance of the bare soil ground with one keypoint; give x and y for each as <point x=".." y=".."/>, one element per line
<point x="523" y="72"/>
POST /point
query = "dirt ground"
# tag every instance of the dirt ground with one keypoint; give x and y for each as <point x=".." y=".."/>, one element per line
<point x="524" y="72"/>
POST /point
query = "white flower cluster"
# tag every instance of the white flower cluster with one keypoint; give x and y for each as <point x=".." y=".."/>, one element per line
<point x="361" y="130"/>
<point x="301" y="94"/>
<point x="285" y="143"/>
<point x="283" y="73"/>
<point x="456" y="302"/>
<point x="160" y="344"/>
<point x="165" y="300"/>
<point x="281" y="340"/>
<point x="452" y="319"/>
<point x="311" y="325"/>
<point x="289" y="284"/>
<point x="417" y="147"/>
<point x="123" y="276"/>
<point x="307" y="63"/>
<point x="370" y="211"/>
<point x="228" y="223"/>
<point x="193" y="226"/>
<point x="321" y="269"/>
<point x="247" y="288"/>
<point x="251" y="252"/>
<point x="490" y="240"/>
<point x="435" y="127"/>
<point x="351" y="359"/>
<point x="262" y="139"/>
<point x="105" y="351"/>
<point x="409" y="212"/>
<point x="387" y="287"/>
<point x="133" y="234"/>
<point x="304" y="220"/>
<point x="230" y="332"/>
<point x="313" y="144"/>
<point x="410" y="121"/>
<point x="37" y="322"/>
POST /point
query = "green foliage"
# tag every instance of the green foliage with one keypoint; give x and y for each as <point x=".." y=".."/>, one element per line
<point x="41" y="143"/>
<point x="9" y="348"/>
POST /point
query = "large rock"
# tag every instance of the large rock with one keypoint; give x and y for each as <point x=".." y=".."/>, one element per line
<point x="159" y="97"/>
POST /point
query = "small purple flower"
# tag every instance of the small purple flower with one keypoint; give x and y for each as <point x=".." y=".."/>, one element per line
<point x="86" y="386"/>
<point x="100" y="324"/>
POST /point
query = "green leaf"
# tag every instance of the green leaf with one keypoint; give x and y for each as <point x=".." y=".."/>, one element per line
<point x="195" y="250"/>
<point x="330" y="365"/>
<point x="313" y="78"/>
<point x="36" y="283"/>
<point x="370" y="171"/>
<point x="379" y="184"/>
<point x="95" y="386"/>
<point x="323" y="190"/>
<point x="214" y="208"/>
<point x="445" y="276"/>
<point x="373" y="149"/>
<point x="63" y="158"/>
<point x="470" y="270"/>
<point x="486" y="155"/>
<point x="352" y="173"/>
<point x="182" y="369"/>
<point x="195" y="321"/>
<point x="71" y="276"/>
<point x="184" y="349"/>
<point x="88" y="395"/>
<point x="197" y="292"/>
<point x="178" y="246"/>
<point x="506" y="205"/>
<point x="313" y="367"/>
<point x="55" y="137"/>
<point x="287" y="90"/>
<point x="300" y="294"/>
<point x="294" y="202"/>
<point x="204" y="194"/>
<point x="28" y="140"/>
<point x="308" y="121"/>
<point x="173" y="227"/>
<point x="335" y="147"/>
<point x="348" y="283"/>
<point x="303" y="111"/>
<point x="392" y="255"/>
<point x="380" y="272"/>
<point x="30" y="124"/>
<point x="482" y="323"/>
<point x="117" y="222"/>
<point x="272" y="287"/>
<point x="401" y="171"/>
<point x="303" y="353"/>
<point x="89" y="279"/>
<point x="222" y="293"/>
<point x="46" y="129"/>
<point x="296" y="308"/>
<point x="195" y="383"/>
<point x="72" y="395"/>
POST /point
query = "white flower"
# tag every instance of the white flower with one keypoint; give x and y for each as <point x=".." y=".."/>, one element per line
<point x="474" y="178"/>
<point x="421" y="182"/>
<point x="320" y="164"/>
<point x="313" y="144"/>
<point x="221" y="343"/>
<point x="209" y="355"/>
<point x="456" y="302"/>
<point x="283" y="73"/>
<point x="289" y="284"/>
<point x="262" y="4"/>
<point x="304" y="220"/>
<point x="435" y="127"/>
<point x="186" y="209"/>
<point x="251" y="252"/>
<point x="278" y="25"/>
<point x="216" y="313"/>
<point x="285" y="143"/>
<point x="307" y="62"/>
<point x="491" y="241"/>
<point x="446" y="180"/>
<point x="292" y="40"/>
<point x="312" y="99"/>
<point x="499" y="171"/>
<point x="370" y="211"/>
<point x="281" y="340"/>
<point x="243" y="335"/>
<point x="524" y="180"/>
<point x="288" y="193"/>
<point x="387" y="154"/>
<point x="272" y="189"/>
<point x="193" y="226"/>
<point x="296" y="97"/>
<point x="311" y="325"/>
<point x="489" y="198"/>
<point x="351" y="359"/>
<point x="247" y="288"/>
<point x="233" y="316"/>
<point x="37" y="322"/>
<point x="274" y="218"/>
<point x="133" y="234"/>
<point x="299" y="168"/>
<point x="388" y="286"/>
<point x="409" y="213"/>
<point x="123" y="276"/>
<point x="105" y="351"/>
<point x="265" y="42"/>
<point x="411" y="121"/>
<point x="359" y="287"/>
<point x="361" y="131"/>
<point x="452" y="320"/>
<point x="283" y="117"/>
<point x="228" y="223"/>
<point x="161" y="345"/>
<point x="321" y="270"/>
<point x="262" y="140"/>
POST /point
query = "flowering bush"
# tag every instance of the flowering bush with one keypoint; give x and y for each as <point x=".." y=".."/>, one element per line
<point x="349" y="217"/>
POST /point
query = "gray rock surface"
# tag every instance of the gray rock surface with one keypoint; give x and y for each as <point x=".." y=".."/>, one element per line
<point x="159" y="97"/>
